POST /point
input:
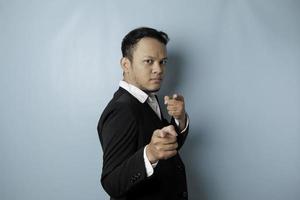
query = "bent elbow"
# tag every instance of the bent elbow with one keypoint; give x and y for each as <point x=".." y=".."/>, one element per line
<point x="112" y="188"/>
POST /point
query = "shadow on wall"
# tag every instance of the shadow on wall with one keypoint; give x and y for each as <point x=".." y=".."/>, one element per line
<point x="173" y="78"/>
<point x="197" y="181"/>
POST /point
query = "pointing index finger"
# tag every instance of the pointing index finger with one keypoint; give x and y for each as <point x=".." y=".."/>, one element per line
<point x="166" y="98"/>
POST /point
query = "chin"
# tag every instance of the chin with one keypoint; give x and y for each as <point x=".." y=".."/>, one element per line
<point x="150" y="90"/>
<point x="156" y="90"/>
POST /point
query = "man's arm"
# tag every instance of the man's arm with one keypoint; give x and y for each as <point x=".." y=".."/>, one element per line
<point x="176" y="109"/>
<point x="182" y="134"/>
<point x="123" y="163"/>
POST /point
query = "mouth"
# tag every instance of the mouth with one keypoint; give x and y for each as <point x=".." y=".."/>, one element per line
<point x="156" y="80"/>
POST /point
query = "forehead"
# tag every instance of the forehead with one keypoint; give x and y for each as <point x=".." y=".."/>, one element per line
<point x="150" y="47"/>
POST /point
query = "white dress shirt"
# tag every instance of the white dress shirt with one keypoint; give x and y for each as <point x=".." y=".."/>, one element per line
<point x="153" y="103"/>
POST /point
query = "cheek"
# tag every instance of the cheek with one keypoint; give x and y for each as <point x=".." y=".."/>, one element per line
<point x="141" y="75"/>
<point x="163" y="69"/>
<point x="144" y="72"/>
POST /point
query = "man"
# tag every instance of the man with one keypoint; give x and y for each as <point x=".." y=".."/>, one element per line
<point x="140" y="147"/>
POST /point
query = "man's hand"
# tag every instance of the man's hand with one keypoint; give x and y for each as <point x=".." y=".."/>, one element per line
<point x="175" y="107"/>
<point x="163" y="144"/>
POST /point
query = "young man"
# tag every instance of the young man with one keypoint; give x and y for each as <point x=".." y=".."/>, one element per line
<point x="140" y="148"/>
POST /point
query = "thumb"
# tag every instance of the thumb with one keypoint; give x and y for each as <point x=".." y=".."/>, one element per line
<point x="170" y="130"/>
<point x="160" y="133"/>
<point x="178" y="97"/>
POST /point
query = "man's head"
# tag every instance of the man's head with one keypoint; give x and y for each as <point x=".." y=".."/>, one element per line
<point x="144" y="58"/>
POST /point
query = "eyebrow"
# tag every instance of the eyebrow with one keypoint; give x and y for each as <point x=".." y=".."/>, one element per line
<point x="165" y="58"/>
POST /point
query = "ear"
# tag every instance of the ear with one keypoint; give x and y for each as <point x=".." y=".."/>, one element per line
<point x="125" y="64"/>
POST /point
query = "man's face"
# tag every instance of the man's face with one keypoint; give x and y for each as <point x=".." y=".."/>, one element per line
<point x="147" y="66"/>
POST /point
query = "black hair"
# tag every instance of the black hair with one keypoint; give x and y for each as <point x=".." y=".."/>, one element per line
<point x="134" y="36"/>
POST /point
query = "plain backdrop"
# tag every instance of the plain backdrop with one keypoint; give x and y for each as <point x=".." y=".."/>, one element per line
<point x="237" y="62"/>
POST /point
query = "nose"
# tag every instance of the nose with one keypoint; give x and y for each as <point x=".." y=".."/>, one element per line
<point x="158" y="68"/>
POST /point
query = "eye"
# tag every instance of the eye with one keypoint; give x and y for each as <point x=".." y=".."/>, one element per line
<point x="164" y="62"/>
<point x="148" y="61"/>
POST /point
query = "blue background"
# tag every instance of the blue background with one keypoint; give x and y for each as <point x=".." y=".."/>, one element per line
<point x="236" y="62"/>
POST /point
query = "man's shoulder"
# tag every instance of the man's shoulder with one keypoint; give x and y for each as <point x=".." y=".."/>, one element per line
<point x="123" y="98"/>
<point x="122" y="101"/>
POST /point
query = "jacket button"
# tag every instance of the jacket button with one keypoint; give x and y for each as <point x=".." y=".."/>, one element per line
<point x="184" y="195"/>
<point x="136" y="176"/>
<point x="179" y="167"/>
<point x="133" y="179"/>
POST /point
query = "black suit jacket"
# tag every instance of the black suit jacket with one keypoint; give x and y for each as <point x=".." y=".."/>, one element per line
<point x="125" y="128"/>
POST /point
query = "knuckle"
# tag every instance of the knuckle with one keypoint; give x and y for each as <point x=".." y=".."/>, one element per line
<point x="165" y="156"/>
<point x="156" y="147"/>
<point x="161" y="155"/>
<point x="176" y="145"/>
<point x="159" y="148"/>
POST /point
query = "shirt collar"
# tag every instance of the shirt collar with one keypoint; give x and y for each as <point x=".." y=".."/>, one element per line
<point x="134" y="91"/>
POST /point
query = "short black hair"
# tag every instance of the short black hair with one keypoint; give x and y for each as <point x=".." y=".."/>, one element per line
<point x="134" y="36"/>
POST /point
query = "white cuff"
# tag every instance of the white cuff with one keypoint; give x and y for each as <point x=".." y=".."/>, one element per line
<point x="186" y="124"/>
<point x="149" y="167"/>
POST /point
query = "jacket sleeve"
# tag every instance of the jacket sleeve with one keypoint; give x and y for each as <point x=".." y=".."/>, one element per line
<point x="123" y="163"/>
<point x="181" y="136"/>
